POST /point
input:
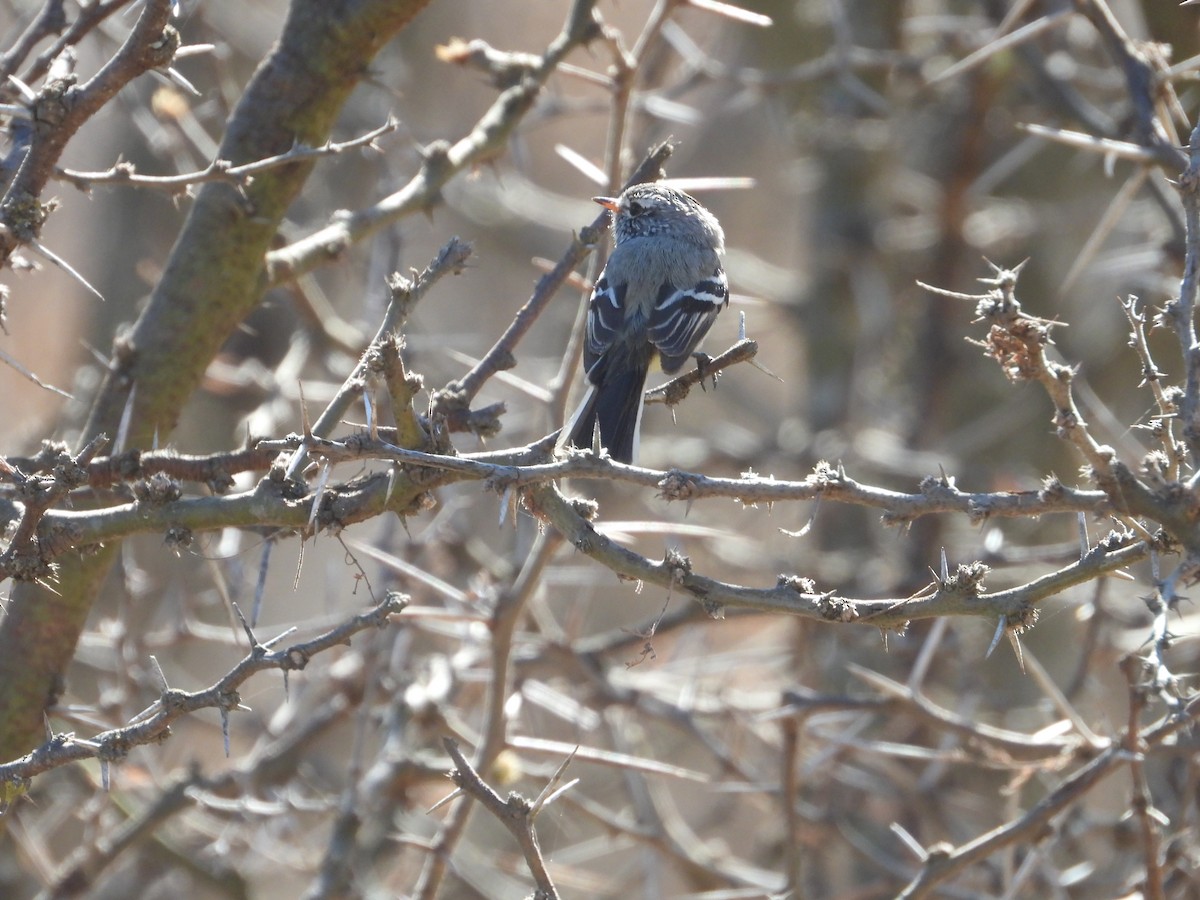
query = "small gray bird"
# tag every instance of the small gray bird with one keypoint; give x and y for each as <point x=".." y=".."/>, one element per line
<point x="658" y="295"/>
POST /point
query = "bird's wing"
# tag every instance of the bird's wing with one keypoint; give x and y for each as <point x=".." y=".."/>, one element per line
<point x="606" y="314"/>
<point x="682" y="317"/>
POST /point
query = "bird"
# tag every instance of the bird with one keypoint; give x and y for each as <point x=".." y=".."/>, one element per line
<point x="658" y="296"/>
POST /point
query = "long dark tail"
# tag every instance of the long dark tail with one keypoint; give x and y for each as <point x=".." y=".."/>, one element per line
<point x="615" y="404"/>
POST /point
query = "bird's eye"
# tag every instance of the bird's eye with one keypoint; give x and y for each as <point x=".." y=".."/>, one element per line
<point x="636" y="208"/>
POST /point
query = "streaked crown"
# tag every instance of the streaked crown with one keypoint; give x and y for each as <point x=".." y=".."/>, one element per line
<point x="645" y="210"/>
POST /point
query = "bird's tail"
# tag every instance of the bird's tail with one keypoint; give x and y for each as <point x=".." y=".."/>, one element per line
<point x="614" y="406"/>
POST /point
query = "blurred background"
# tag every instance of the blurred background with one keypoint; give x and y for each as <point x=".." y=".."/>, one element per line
<point x="872" y="158"/>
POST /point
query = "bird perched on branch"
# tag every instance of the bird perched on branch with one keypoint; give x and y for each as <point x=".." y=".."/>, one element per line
<point x="656" y="298"/>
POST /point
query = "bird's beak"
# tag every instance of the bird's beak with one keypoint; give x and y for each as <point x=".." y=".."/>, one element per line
<point x="609" y="203"/>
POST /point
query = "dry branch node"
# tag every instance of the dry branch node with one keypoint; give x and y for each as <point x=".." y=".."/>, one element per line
<point x="679" y="565"/>
<point x="838" y="609"/>
<point x="967" y="580"/>
<point x="156" y="490"/>
<point x="798" y="583"/>
<point x="678" y="485"/>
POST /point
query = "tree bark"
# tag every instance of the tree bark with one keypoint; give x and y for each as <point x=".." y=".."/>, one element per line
<point x="213" y="278"/>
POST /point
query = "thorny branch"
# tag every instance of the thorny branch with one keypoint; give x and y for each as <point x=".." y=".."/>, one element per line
<point x="405" y="294"/>
<point x="1155" y="509"/>
<point x="441" y="160"/>
<point x="960" y="594"/>
<point x="506" y="614"/>
<point x="61" y="108"/>
<point x="943" y="861"/>
<point x="1182" y="312"/>
<point x="125" y="174"/>
<point x="526" y="466"/>
<point x="516" y="814"/>
<point x="153" y="724"/>
<point x="50" y="21"/>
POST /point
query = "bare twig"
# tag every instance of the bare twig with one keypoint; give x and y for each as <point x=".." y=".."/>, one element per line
<point x="961" y="595"/>
<point x="509" y="605"/>
<point x="153" y="725"/>
<point x="52" y="21"/>
<point x="61" y="108"/>
<point x="676" y="390"/>
<point x="404" y="296"/>
<point x="943" y="861"/>
<point x="125" y="174"/>
<point x="441" y="161"/>
<point x="1142" y="802"/>
<point x="520" y="467"/>
<point x="516" y="814"/>
<point x="1182" y="312"/>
